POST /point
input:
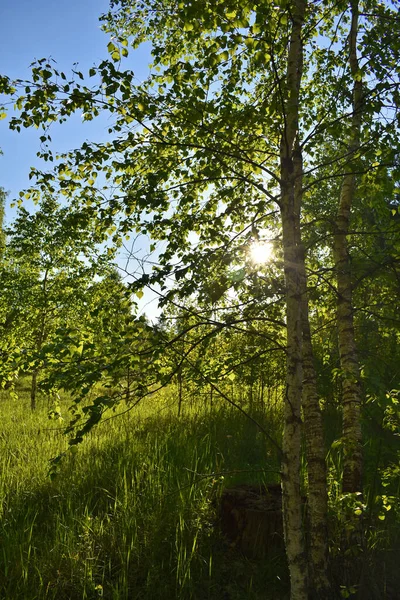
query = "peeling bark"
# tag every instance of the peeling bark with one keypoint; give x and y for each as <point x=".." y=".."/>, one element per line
<point x="352" y="396"/>
<point x="316" y="469"/>
<point x="292" y="512"/>
<point x="319" y="584"/>
<point x="290" y="159"/>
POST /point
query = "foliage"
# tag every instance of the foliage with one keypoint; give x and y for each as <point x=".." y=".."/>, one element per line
<point x="49" y="263"/>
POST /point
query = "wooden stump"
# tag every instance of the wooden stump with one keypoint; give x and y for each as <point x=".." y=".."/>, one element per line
<point x="251" y="519"/>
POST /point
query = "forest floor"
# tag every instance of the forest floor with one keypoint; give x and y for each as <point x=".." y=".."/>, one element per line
<point x="132" y="512"/>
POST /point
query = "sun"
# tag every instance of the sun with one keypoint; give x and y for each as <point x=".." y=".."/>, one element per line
<point x="261" y="252"/>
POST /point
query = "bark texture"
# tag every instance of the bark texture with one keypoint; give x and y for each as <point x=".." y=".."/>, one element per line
<point x="316" y="470"/>
<point x="291" y="169"/>
<point x="352" y="396"/>
<point x="319" y="584"/>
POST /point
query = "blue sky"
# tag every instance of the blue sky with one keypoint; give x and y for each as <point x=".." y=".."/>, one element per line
<point x="68" y="32"/>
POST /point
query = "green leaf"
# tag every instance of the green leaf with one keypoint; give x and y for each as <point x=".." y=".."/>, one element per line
<point x="238" y="275"/>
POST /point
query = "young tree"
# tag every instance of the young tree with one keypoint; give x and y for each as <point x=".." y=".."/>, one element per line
<point x="2" y="233"/>
<point x="49" y="261"/>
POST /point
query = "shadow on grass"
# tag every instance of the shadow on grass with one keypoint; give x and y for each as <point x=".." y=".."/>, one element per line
<point x="132" y="515"/>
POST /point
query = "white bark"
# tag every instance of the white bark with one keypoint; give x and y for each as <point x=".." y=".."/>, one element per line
<point x="316" y="469"/>
<point x="352" y="396"/>
<point x="291" y="168"/>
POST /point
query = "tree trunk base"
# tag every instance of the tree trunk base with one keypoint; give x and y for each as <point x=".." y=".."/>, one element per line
<point x="251" y="519"/>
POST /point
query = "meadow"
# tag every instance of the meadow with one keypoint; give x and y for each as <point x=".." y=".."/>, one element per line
<point x="132" y="512"/>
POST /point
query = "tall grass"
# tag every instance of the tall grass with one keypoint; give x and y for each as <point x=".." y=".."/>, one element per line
<point x="131" y="513"/>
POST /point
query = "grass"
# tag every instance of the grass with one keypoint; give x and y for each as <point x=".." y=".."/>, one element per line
<point x="131" y="514"/>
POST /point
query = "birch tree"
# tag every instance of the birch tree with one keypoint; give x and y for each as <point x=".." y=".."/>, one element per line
<point x="352" y="394"/>
<point x="49" y="262"/>
<point x="291" y="202"/>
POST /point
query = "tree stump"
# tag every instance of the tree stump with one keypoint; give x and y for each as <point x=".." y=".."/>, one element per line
<point x="251" y="519"/>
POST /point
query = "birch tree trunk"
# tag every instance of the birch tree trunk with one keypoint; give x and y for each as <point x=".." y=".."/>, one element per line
<point x="351" y="400"/>
<point x="319" y="584"/>
<point x="290" y="170"/>
<point x="316" y="468"/>
<point x="315" y="449"/>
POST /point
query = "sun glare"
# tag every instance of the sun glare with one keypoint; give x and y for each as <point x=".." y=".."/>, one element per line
<point x="261" y="252"/>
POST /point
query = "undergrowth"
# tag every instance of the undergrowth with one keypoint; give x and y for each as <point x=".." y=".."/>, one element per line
<point x="132" y="511"/>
